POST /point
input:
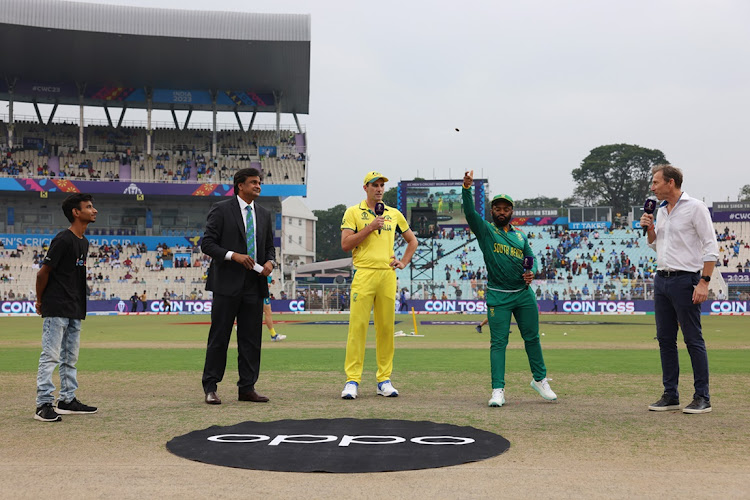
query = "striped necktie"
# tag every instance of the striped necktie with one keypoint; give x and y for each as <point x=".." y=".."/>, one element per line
<point x="250" y="233"/>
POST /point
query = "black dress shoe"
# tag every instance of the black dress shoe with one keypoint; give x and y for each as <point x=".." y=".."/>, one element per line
<point x="666" y="403"/>
<point x="699" y="405"/>
<point x="212" y="398"/>
<point x="252" y="396"/>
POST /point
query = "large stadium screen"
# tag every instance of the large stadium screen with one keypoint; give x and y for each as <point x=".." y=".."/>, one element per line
<point x="443" y="196"/>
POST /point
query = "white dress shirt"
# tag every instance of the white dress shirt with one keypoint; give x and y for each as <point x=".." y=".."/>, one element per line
<point x="243" y="211"/>
<point x="685" y="237"/>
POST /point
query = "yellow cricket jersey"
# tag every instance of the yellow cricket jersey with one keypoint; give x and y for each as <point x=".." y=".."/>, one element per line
<point x="376" y="250"/>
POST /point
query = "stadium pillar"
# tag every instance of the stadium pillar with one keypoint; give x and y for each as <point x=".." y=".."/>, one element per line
<point x="11" y="124"/>
<point x="80" y="123"/>
<point x="38" y="113"/>
<point x="52" y="115"/>
<point x="278" y="117"/>
<point x="213" y="129"/>
<point x="149" y="102"/>
<point x="252" y="120"/>
<point x="109" y="119"/>
<point x="174" y="118"/>
<point x="122" y="115"/>
<point x="294" y="281"/>
<point x="239" y="121"/>
<point x="296" y="120"/>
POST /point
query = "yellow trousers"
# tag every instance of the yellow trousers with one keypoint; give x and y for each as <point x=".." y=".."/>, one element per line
<point x="371" y="289"/>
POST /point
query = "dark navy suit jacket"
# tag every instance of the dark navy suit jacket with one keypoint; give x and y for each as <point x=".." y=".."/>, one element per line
<point x="225" y="231"/>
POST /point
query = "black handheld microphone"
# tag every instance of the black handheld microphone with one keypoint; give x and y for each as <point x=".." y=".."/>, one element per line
<point x="648" y="207"/>
<point x="379" y="209"/>
<point x="528" y="263"/>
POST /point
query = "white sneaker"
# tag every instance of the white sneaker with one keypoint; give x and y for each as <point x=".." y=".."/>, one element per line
<point x="386" y="389"/>
<point x="542" y="387"/>
<point x="498" y="398"/>
<point x="277" y="337"/>
<point x="350" y="391"/>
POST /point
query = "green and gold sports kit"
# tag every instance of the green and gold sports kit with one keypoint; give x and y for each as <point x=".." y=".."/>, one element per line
<point x="504" y="249"/>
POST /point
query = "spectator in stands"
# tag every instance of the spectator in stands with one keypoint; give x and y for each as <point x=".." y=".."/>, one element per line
<point x="686" y="254"/>
<point x="61" y="301"/>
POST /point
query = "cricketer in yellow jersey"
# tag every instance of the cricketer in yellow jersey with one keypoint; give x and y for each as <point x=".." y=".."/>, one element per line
<point x="370" y="239"/>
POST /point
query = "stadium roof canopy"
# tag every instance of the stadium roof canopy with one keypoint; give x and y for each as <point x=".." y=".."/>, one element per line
<point x="92" y="54"/>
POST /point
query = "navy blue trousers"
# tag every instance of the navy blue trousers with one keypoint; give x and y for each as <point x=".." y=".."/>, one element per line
<point x="673" y="306"/>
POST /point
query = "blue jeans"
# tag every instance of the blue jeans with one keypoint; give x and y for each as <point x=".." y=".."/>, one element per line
<point x="60" y="343"/>
<point x="673" y="307"/>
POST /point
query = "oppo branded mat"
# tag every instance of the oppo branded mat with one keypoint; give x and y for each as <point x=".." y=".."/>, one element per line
<point x="338" y="445"/>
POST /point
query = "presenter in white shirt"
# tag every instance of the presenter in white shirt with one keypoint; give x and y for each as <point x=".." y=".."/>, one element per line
<point x="686" y="252"/>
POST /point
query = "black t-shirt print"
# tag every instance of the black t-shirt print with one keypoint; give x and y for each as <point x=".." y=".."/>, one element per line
<point x="65" y="295"/>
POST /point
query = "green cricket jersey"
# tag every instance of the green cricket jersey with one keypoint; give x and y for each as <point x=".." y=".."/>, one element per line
<point x="503" y="252"/>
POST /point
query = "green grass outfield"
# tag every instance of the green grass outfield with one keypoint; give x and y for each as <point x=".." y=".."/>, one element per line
<point x="598" y="440"/>
<point x="593" y="345"/>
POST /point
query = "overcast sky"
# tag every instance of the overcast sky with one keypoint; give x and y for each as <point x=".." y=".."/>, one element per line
<point x="532" y="86"/>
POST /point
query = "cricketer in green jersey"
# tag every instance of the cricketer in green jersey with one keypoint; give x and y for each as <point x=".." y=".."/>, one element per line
<point x="504" y="248"/>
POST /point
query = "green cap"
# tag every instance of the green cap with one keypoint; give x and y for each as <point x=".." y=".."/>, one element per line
<point x="502" y="197"/>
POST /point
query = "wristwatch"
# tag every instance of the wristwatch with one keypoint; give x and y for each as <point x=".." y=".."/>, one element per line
<point x="706" y="278"/>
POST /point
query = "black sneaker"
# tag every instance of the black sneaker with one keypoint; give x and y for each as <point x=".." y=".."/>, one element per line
<point x="46" y="413"/>
<point x="665" y="403"/>
<point x="699" y="405"/>
<point x="74" y="407"/>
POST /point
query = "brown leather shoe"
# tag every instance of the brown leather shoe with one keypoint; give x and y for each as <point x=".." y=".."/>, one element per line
<point x="252" y="396"/>
<point x="212" y="398"/>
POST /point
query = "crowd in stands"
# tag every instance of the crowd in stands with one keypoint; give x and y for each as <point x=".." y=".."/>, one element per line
<point x="576" y="265"/>
<point x="178" y="155"/>
<point x="571" y="265"/>
<point x="133" y="264"/>
<point x="730" y="246"/>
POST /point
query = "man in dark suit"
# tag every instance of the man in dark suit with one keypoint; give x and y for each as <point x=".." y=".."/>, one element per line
<point x="238" y="237"/>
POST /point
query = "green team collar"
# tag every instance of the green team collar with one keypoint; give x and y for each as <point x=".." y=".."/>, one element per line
<point x="500" y="231"/>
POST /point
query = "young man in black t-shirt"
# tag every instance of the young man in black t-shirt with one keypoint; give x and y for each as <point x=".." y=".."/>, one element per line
<point x="61" y="301"/>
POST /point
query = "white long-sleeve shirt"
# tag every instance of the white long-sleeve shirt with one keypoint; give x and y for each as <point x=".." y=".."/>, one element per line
<point x="685" y="237"/>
